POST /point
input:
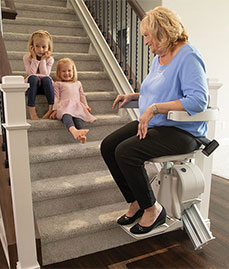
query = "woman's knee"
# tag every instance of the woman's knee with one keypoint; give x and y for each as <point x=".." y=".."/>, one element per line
<point x="122" y="153"/>
<point x="108" y="145"/>
<point x="104" y="147"/>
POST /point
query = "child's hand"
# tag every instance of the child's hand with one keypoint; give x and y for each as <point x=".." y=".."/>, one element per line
<point x="53" y="115"/>
<point x="32" y="51"/>
<point x="46" y="55"/>
<point x="88" y="108"/>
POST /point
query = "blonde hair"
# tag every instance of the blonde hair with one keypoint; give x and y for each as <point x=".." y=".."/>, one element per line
<point x="164" y="25"/>
<point x="41" y="34"/>
<point x="66" y="61"/>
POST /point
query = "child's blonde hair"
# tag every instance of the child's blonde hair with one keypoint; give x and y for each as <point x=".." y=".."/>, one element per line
<point x="66" y="61"/>
<point x="41" y="34"/>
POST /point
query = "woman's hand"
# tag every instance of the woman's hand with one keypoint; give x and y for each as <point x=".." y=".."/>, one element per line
<point x="143" y="122"/>
<point x="53" y="115"/>
<point x="122" y="100"/>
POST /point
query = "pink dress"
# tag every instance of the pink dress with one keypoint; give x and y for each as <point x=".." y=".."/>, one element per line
<point x="70" y="99"/>
<point x="40" y="68"/>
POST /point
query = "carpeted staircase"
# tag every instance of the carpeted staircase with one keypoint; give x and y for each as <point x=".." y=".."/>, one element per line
<point x="75" y="199"/>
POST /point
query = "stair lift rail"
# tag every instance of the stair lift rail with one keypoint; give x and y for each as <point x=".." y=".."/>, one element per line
<point x="180" y="183"/>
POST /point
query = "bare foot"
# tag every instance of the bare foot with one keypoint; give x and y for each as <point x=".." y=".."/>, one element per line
<point x="150" y="215"/>
<point x="78" y="134"/>
<point x="82" y="139"/>
<point x="47" y="115"/>
<point x="33" y="113"/>
<point x="133" y="208"/>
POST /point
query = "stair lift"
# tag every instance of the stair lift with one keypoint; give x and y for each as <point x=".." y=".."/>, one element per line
<point x="179" y="184"/>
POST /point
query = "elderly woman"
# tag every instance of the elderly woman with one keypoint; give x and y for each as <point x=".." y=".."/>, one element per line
<point x="176" y="81"/>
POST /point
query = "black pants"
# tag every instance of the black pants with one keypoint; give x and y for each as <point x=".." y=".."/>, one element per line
<point x="124" y="154"/>
<point x="69" y="121"/>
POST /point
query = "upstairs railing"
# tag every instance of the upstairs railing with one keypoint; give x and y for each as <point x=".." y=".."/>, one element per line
<point x="119" y="22"/>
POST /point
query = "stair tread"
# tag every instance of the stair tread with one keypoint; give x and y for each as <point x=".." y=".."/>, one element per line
<point x="66" y="151"/>
<point x="91" y="96"/>
<point x="35" y="21"/>
<point x="79" y="223"/>
<point x="104" y="119"/>
<point x="44" y="8"/>
<point x="56" y="38"/>
<point x="14" y="55"/>
<point x="50" y="188"/>
<point x="95" y="75"/>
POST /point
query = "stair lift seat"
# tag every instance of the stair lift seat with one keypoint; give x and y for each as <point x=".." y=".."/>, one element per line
<point x="179" y="185"/>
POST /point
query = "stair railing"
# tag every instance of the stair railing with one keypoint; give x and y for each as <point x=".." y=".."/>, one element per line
<point x="17" y="232"/>
<point x="13" y="88"/>
<point x="119" y="22"/>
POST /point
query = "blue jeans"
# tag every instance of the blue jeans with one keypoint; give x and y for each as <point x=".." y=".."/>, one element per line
<point x="44" y="88"/>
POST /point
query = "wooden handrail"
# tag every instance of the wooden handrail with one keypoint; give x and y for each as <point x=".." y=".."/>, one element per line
<point x="5" y="68"/>
<point x="139" y="11"/>
<point x="10" y="4"/>
<point x="9" y="11"/>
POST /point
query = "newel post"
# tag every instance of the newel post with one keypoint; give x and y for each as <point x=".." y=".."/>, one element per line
<point x="16" y="126"/>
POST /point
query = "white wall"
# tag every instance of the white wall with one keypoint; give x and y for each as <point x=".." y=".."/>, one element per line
<point x="207" y="23"/>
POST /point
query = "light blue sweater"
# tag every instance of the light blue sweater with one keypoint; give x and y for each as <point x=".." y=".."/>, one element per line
<point x="182" y="79"/>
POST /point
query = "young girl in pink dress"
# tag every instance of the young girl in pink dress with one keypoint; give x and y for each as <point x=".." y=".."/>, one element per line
<point x="70" y="104"/>
<point x="38" y="64"/>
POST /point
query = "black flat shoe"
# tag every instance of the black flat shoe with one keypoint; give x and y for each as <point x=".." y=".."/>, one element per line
<point x="138" y="229"/>
<point x="124" y="220"/>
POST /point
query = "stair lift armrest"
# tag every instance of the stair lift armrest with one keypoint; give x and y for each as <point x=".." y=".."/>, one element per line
<point x="210" y="114"/>
<point x="131" y="104"/>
